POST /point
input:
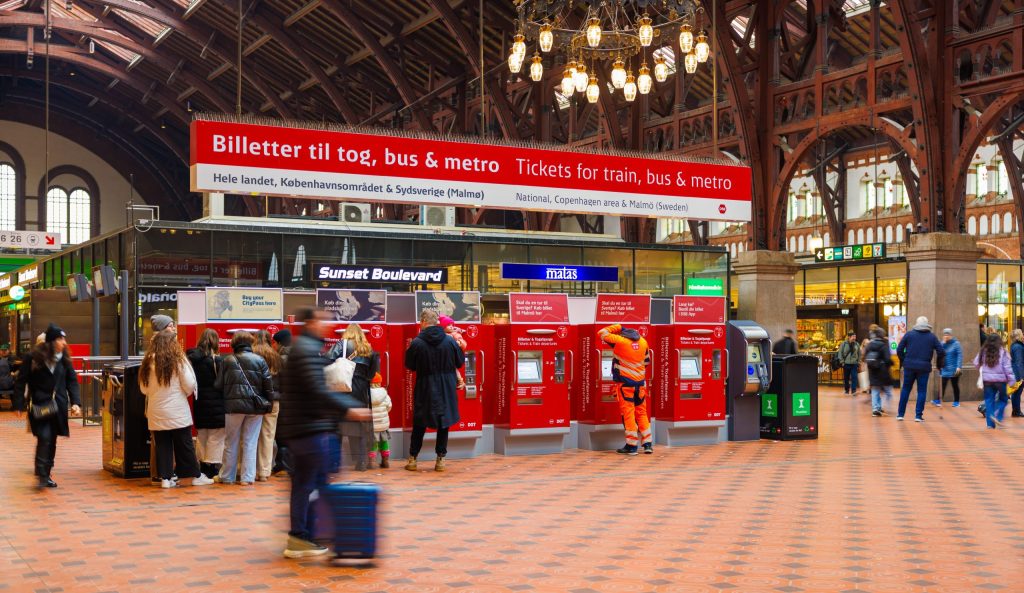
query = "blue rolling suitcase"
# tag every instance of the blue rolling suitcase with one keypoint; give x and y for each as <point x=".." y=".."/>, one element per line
<point x="353" y="514"/>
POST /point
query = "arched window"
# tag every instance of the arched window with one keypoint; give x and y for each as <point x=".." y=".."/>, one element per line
<point x="792" y="244"/>
<point x="827" y="240"/>
<point x="983" y="225"/>
<point x="972" y="226"/>
<point x="860" y="235"/>
<point x="888" y="234"/>
<point x="995" y="224"/>
<point x="8" y="197"/>
<point x="870" y="237"/>
<point x="850" y="237"/>
<point x="69" y="214"/>
<point x="899" y="233"/>
<point x="1008" y="222"/>
<point x="800" y="244"/>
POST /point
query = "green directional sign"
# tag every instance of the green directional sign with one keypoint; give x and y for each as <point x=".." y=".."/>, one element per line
<point x="850" y="252"/>
<point x="705" y="286"/>
<point x="770" y="405"/>
<point x="801" y="404"/>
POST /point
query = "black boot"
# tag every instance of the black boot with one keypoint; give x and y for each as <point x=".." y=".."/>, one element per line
<point x="46" y="482"/>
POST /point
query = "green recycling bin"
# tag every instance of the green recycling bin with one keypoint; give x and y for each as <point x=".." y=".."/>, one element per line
<point x="789" y="408"/>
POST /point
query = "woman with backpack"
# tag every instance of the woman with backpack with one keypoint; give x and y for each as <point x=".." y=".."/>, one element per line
<point x="878" y="359"/>
<point x="993" y="364"/>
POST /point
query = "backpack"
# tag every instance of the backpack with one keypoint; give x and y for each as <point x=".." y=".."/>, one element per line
<point x="837" y="362"/>
<point x="873" y="358"/>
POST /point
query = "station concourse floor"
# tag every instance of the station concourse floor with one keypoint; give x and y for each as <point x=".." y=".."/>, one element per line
<point x="874" y="505"/>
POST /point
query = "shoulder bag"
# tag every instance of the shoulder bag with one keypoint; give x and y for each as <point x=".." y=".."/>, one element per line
<point x="43" y="411"/>
<point x="339" y="373"/>
<point x="262" y="404"/>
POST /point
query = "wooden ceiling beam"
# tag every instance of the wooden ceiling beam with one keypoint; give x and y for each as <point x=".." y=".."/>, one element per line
<point x="408" y="29"/>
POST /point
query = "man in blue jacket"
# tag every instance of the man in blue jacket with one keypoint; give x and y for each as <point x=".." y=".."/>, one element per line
<point x="915" y="352"/>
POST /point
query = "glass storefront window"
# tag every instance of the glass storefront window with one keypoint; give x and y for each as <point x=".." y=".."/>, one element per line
<point x="892" y="282"/>
<point x="659" y="273"/>
<point x="706" y="265"/>
<point x="821" y="286"/>
<point x="165" y="257"/>
<point x="487" y="259"/>
<point x="857" y="284"/>
<point x="1003" y="283"/>
<point x="451" y="255"/>
<point x="620" y="258"/>
<point x="798" y="287"/>
<point x="982" y="284"/>
<point x="246" y="259"/>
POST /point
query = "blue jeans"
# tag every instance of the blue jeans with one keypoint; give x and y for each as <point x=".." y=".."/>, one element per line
<point x="311" y="459"/>
<point x="995" y="403"/>
<point x="241" y="437"/>
<point x="876" y="396"/>
<point x="850" y="378"/>
<point x="910" y="377"/>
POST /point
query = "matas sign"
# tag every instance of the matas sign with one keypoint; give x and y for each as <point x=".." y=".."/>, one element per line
<point x="370" y="166"/>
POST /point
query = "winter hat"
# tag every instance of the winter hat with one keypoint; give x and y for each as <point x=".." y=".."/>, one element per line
<point x="376" y="379"/>
<point x="445" y="321"/>
<point x="922" y="320"/>
<point x="283" y="337"/>
<point x="160" y="322"/>
<point x="53" y="332"/>
<point x="947" y="332"/>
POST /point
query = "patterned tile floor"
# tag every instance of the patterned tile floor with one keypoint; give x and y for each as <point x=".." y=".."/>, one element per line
<point x="874" y="505"/>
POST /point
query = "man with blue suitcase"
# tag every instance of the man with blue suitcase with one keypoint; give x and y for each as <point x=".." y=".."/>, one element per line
<point x="308" y="424"/>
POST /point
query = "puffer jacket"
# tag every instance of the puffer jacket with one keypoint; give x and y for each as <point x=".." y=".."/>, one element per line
<point x="1002" y="372"/>
<point x="308" y="407"/>
<point x="242" y="373"/>
<point x="209" y="406"/>
<point x="381" y="405"/>
<point x="1017" y="359"/>
<point x="954" y="358"/>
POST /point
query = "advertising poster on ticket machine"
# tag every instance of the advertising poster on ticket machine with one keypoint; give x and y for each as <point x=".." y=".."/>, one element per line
<point x="698" y="309"/>
<point x="537" y="307"/>
<point x="353" y="305"/>
<point x="244" y="304"/>
<point x="462" y="306"/>
<point x="623" y="308"/>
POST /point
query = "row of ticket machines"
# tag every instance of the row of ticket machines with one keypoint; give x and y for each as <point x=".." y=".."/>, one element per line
<point x="542" y="387"/>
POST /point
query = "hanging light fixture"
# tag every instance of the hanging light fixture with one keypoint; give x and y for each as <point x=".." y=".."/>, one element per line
<point x="702" y="48"/>
<point x="618" y="73"/>
<point x="594" y="32"/>
<point x="581" y="79"/>
<point x="643" y="82"/>
<point x="645" y="30"/>
<point x="690" y="63"/>
<point x="546" y="38"/>
<point x="685" y="38"/>
<point x="629" y="89"/>
<point x="536" y="68"/>
<point x="92" y="47"/>
<point x="571" y="66"/>
<point x="660" y="69"/>
<point x="568" y="85"/>
<point x="593" y="91"/>
<point x="519" y="46"/>
<point x="515" y="63"/>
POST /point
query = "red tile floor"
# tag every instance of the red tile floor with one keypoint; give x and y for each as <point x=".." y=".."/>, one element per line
<point x="874" y="505"/>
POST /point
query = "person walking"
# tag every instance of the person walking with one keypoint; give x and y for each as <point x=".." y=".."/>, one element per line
<point x="993" y="362"/>
<point x="915" y="352"/>
<point x="167" y="380"/>
<point x="308" y="425"/>
<point x="209" y="404"/>
<point x="47" y="386"/>
<point x="787" y="345"/>
<point x="849" y="355"/>
<point x="878" y="360"/>
<point x="435" y="357"/>
<point x="268" y="429"/>
<point x="952" y="365"/>
<point x="1017" y="361"/>
<point x="354" y="346"/>
<point x="248" y="392"/>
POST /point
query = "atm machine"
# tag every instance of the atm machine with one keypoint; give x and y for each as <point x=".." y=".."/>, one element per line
<point x="750" y="373"/>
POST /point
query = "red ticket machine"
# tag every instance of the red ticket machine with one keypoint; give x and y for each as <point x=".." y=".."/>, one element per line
<point x="535" y="367"/>
<point x="691" y="369"/>
<point x="595" y="401"/>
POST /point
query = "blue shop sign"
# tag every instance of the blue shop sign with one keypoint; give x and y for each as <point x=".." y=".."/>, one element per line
<point x="559" y="273"/>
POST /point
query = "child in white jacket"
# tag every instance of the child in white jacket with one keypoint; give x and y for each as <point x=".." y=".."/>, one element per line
<point x="380" y="402"/>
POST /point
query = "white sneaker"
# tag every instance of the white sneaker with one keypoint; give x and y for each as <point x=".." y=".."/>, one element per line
<point x="168" y="484"/>
<point x="202" y="480"/>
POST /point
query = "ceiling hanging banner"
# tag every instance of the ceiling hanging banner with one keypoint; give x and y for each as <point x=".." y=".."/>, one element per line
<point x="277" y="159"/>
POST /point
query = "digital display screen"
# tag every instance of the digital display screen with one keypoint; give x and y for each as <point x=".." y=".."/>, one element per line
<point x="528" y="370"/>
<point x="689" y="368"/>
<point x="753" y="353"/>
<point x="606" y="366"/>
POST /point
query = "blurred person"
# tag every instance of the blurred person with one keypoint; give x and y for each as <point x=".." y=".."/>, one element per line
<point x="787" y="345"/>
<point x="435" y="357"/>
<point x="308" y="425"/>
<point x="381" y="406"/>
<point x="248" y="389"/>
<point x="878" y="360"/>
<point x="268" y="429"/>
<point x="47" y="386"/>
<point x="209" y="404"/>
<point x="849" y="356"/>
<point x="354" y="346"/>
<point x="952" y="365"/>
<point x="1017" y="361"/>
<point x="629" y="371"/>
<point x="993" y="362"/>
<point x="915" y="352"/>
<point x="6" y="368"/>
<point x="282" y="342"/>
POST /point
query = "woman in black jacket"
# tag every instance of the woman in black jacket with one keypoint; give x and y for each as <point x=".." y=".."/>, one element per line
<point x="51" y="379"/>
<point x="209" y="405"/>
<point x="248" y="392"/>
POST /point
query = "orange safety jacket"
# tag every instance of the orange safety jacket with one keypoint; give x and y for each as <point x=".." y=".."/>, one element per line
<point x="630" y="356"/>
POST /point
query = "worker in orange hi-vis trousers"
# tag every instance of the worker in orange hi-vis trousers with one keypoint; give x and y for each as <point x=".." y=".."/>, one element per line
<point x="629" y="370"/>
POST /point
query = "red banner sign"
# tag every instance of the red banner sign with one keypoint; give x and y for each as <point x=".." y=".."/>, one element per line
<point x="538" y="307"/>
<point x="623" y="308"/>
<point x="286" y="161"/>
<point x="698" y="309"/>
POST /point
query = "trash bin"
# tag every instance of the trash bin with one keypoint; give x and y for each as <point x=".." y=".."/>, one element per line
<point x="789" y="408"/>
<point x="126" y="438"/>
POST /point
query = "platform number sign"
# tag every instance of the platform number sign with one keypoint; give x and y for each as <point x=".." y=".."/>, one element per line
<point x="850" y="252"/>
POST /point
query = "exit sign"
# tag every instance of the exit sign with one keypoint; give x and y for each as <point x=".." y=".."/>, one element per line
<point x="850" y="252"/>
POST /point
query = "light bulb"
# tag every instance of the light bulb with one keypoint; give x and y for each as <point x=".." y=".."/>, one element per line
<point x="593" y="91"/>
<point x="571" y="67"/>
<point x="618" y="74"/>
<point x="690" y="63"/>
<point x="546" y="38"/>
<point x="594" y="32"/>
<point x="643" y="82"/>
<point x="685" y="38"/>
<point x="581" y="78"/>
<point x="660" y="69"/>
<point x="536" y="69"/>
<point x="645" y="31"/>
<point x="519" y="46"/>
<point x="702" y="47"/>
<point x="629" y="89"/>
<point x="568" y="85"/>
<point x="515" y="63"/>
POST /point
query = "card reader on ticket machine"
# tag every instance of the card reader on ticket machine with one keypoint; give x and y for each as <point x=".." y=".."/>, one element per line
<point x="750" y="359"/>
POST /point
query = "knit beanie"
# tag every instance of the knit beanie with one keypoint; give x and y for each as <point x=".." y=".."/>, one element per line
<point x="53" y="332"/>
<point x="160" y="322"/>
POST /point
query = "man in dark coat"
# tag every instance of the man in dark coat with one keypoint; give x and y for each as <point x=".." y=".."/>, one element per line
<point x="878" y="360"/>
<point x="786" y="346"/>
<point x="435" y="357"/>
<point x="915" y="352"/>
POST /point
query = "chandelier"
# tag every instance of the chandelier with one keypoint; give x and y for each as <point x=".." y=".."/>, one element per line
<point x="614" y="34"/>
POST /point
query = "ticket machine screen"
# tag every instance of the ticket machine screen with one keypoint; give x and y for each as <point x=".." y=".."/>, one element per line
<point x="689" y="367"/>
<point x="753" y="353"/>
<point x="528" y="368"/>
<point x="607" y="360"/>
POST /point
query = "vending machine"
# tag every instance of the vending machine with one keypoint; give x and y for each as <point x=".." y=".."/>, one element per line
<point x="750" y="374"/>
<point x="692" y="367"/>
<point x="535" y="364"/>
<point x="595" y="400"/>
<point x="126" y="436"/>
